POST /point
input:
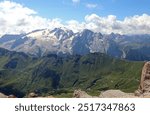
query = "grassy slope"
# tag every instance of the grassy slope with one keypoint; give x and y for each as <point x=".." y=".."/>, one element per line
<point x="60" y="76"/>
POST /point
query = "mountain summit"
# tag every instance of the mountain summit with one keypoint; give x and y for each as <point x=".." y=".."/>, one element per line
<point x="63" y="41"/>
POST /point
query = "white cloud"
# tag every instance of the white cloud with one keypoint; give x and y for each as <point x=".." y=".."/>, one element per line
<point x="130" y="25"/>
<point x="15" y="18"/>
<point x="91" y="5"/>
<point x="75" y="25"/>
<point x="75" y="1"/>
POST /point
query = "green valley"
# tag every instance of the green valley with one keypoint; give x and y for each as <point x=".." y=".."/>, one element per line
<point x="56" y="75"/>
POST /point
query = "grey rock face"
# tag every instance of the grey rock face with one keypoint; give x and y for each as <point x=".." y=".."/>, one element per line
<point x="64" y="41"/>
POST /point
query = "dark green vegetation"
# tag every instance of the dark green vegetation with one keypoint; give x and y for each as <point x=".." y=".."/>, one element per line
<point x="59" y="76"/>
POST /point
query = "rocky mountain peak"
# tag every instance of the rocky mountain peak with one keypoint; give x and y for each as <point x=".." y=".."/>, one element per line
<point x="62" y="33"/>
<point x="86" y="32"/>
<point x="63" y="40"/>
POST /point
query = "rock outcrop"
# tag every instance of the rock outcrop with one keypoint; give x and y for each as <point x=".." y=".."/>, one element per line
<point x="7" y="96"/>
<point x="32" y="95"/>
<point x="144" y="88"/>
<point x="81" y="94"/>
<point x="2" y="95"/>
<point x="11" y="96"/>
<point x="106" y="94"/>
<point x="115" y="94"/>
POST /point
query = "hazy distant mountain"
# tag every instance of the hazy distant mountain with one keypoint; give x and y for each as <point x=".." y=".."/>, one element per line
<point x="63" y="41"/>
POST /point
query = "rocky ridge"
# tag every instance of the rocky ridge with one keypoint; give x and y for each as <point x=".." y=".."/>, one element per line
<point x="65" y="42"/>
<point x="144" y="88"/>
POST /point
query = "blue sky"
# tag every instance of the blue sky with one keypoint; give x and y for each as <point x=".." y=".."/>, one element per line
<point x="105" y="16"/>
<point x="67" y="10"/>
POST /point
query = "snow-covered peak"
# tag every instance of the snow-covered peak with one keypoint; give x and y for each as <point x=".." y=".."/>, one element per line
<point x="63" y="31"/>
<point x="45" y="34"/>
<point x="37" y="34"/>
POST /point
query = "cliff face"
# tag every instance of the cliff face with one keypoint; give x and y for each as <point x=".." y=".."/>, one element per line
<point x="145" y="78"/>
<point x="144" y="88"/>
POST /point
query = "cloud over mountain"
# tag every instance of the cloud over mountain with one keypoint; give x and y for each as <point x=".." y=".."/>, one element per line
<point x="16" y="18"/>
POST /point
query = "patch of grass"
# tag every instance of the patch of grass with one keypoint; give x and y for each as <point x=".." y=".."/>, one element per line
<point x="92" y="73"/>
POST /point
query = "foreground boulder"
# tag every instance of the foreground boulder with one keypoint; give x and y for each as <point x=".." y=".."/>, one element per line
<point x="2" y="95"/>
<point x="81" y="94"/>
<point x="32" y="95"/>
<point x="6" y="96"/>
<point x="11" y="96"/>
<point x="115" y="94"/>
<point x="104" y="94"/>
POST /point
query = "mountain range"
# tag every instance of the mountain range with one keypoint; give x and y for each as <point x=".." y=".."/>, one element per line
<point x="56" y="62"/>
<point x="62" y="41"/>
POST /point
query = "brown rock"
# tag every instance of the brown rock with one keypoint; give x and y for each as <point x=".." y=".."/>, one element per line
<point x="12" y="96"/>
<point x="138" y="93"/>
<point x="2" y="95"/>
<point x="105" y="94"/>
<point x="32" y="95"/>
<point x="115" y="94"/>
<point x="81" y="94"/>
<point x="145" y="79"/>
